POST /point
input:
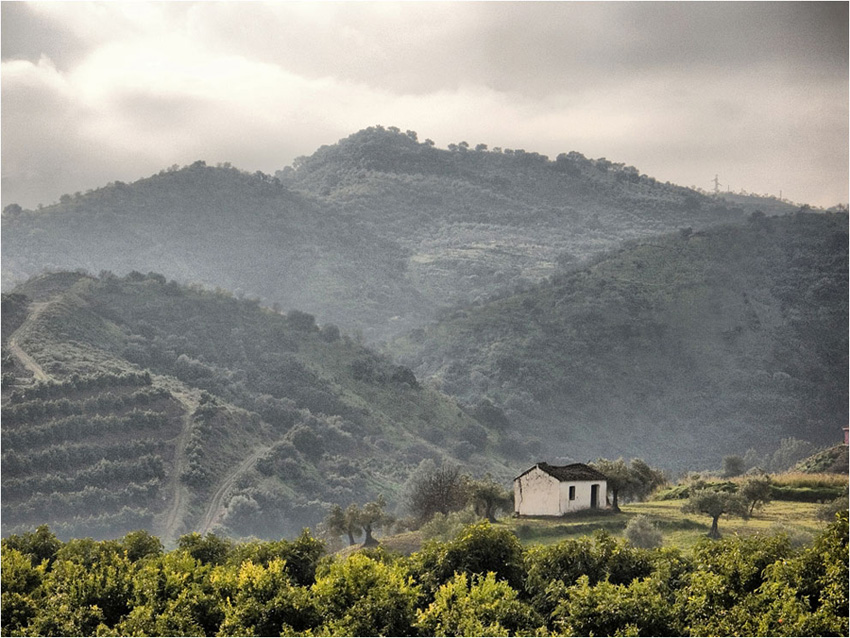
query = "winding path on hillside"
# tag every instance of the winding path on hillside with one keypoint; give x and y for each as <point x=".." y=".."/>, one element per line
<point x="15" y="347"/>
<point x="178" y="493"/>
<point x="216" y="505"/>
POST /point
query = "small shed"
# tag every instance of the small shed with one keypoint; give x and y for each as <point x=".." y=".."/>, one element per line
<point x="555" y="490"/>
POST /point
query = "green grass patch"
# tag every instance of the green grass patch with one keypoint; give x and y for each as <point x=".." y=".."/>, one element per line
<point x="797" y="519"/>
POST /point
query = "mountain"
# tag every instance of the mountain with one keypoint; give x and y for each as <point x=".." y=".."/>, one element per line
<point x="679" y="349"/>
<point x="135" y="402"/>
<point x="376" y="233"/>
<point x="219" y="227"/>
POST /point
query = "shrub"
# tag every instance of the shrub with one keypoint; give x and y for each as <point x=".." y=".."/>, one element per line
<point x="641" y="532"/>
<point x="477" y="606"/>
<point x="827" y="511"/>
<point x="479" y="549"/>
<point x="446" y="527"/>
<point x="365" y="597"/>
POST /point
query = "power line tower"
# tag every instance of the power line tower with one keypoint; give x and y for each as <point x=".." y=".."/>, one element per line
<point x="717" y="185"/>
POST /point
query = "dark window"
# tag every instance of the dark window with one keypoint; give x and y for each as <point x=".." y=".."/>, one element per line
<point x="572" y="492"/>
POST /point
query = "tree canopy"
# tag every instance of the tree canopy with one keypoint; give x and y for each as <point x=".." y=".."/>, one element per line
<point x="483" y="582"/>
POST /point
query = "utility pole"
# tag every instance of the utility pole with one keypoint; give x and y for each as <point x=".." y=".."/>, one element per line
<point x="717" y="186"/>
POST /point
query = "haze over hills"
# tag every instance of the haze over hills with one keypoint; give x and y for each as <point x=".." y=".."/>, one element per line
<point x="679" y="349"/>
<point x="135" y="402"/>
<point x="375" y="233"/>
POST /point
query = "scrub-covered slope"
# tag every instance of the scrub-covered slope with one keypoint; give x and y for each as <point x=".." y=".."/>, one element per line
<point x="680" y="349"/>
<point x="374" y="233"/>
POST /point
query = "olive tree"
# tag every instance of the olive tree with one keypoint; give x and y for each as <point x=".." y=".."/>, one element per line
<point x="373" y="517"/>
<point x="715" y="503"/>
<point x="488" y="497"/>
<point x="345" y="522"/>
<point x="757" y="491"/>
<point x="435" y="489"/>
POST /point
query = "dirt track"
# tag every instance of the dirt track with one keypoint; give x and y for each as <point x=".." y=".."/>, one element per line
<point x="216" y="507"/>
<point x="178" y="494"/>
<point x="15" y="348"/>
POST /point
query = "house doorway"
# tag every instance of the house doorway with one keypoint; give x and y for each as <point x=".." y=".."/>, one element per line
<point x="594" y="496"/>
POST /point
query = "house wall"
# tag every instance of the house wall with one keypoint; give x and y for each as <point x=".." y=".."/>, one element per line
<point x="583" y="492"/>
<point x="537" y="494"/>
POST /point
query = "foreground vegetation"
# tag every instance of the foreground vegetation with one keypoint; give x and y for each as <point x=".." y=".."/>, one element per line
<point x="481" y="583"/>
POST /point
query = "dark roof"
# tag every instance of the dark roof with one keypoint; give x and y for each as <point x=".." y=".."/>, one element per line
<point x="573" y="472"/>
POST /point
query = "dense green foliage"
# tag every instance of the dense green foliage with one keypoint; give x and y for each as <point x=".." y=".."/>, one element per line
<point x="178" y="409"/>
<point x="735" y="336"/>
<point x="481" y="583"/>
<point x="374" y="233"/>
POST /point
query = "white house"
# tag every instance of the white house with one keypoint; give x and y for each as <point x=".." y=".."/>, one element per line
<point x="554" y="490"/>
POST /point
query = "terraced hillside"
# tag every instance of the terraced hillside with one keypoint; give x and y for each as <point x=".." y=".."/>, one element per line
<point x="176" y="409"/>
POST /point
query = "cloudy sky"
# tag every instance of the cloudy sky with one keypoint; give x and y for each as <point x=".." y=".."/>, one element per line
<point x="756" y="93"/>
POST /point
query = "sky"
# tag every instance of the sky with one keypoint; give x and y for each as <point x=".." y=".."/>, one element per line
<point x="755" y="93"/>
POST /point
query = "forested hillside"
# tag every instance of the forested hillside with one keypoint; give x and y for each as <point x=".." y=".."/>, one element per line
<point x="137" y="403"/>
<point x="375" y="233"/>
<point x="679" y="349"/>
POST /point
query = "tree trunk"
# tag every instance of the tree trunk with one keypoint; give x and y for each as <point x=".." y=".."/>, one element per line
<point x="714" y="533"/>
<point x="350" y="538"/>
<point x="615" y="503"/>
<point x="369" y="541"/>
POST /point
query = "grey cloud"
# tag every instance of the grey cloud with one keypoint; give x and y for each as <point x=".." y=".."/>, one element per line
<point x="681" y="90"/>
<point x="26" y="35"/>
<point x="535" y="48"/>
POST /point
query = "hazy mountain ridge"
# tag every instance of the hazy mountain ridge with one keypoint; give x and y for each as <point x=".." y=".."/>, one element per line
<point x="243" y="417"/>
<point x="220" y="227"/>
<point x="374" y="233"/>
<point x="680" y="349"/>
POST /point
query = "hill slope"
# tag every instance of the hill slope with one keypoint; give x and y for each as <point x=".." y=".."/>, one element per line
<point x="374" y="233"/>
<point x="175" y="409"/>
<point x="679" y="349"/>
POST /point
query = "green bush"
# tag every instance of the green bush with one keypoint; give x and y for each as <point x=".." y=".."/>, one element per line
<point x="807" y="494"/>
<point x="642" y="532"/>
<point x="758" y="585"/>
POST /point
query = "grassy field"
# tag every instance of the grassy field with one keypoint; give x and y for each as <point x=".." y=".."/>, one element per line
<point x="681" y="530"/>
<point x="798" y="520"/>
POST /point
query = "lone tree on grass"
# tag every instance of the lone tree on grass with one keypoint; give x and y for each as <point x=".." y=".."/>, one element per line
<point x="619" y="478"/>
<point x="435" y="489"/>
<point x="715" y="504"/>
<point x="757" y="491"/>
